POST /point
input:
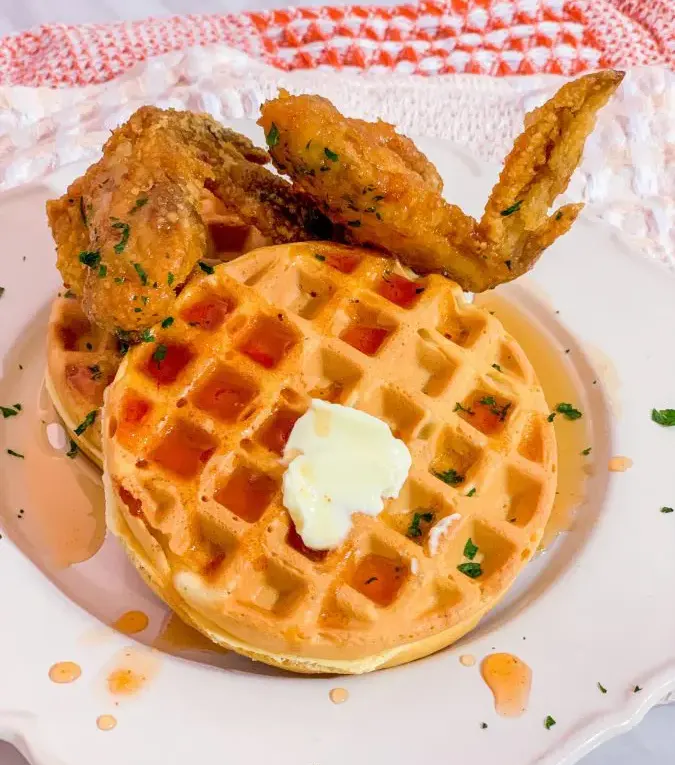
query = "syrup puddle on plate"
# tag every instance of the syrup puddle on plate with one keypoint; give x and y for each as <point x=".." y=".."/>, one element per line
<point x="510" y="681"/>
<point x="176" y="636"/>
<point x="131" y="671"/>
<point x="557" y="379"/>
<point x="131" y="622"/>
<point x="64" y="672"/>
<point x="62" y="498"/>
<point x="106" y="722"/>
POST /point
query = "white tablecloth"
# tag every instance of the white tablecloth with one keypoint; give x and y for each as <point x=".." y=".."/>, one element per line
<point x="653" y="742"/>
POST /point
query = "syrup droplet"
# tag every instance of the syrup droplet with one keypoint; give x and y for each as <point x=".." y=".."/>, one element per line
<point x="620" y="464"/>
<point x="338" y="695"/>
<point x="131" y="622"/>
<point x="64" y="672"/>
<point x="510" y="681"/>
<point x="106" y="722"/>
<point x="467" y="660"/>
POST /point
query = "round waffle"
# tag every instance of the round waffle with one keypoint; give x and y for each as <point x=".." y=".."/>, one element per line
<point x="195" y="425"/>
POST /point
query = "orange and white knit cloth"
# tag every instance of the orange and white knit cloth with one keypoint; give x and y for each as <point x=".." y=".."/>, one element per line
<point x="494" y="37"/>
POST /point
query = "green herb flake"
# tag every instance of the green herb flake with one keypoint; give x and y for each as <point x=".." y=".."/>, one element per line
<point x="470" y="549"/>
<point x="124" y="237"/>
<point x="637" y="689"/>
<point x="483" y="725"/>
<point x="414" y="529"/>
<point x="507" y="263"/>
<point x="665" y="417"/>
<point x="586" y="451"/>
<point x="354" y="223"/>
<point x="72" y="452"/>
<point x="12" y="453"/>
<point x="666" y="509"/>
<point x="497" y="367"/>
<point x="9" y="411"/>
<point x="451" y="476"/>
<point x="18" y="407"/>
<point x="138" y="268"/>
<point x="147" y="336"/>
<point x="159" y="354"/>
<point x="488" y="401"/>
<point x="602" y="688"/>
<point x="371" y="580"/>
<point x="87" y="422"/>
<point x="513" y="209"/>
<point x="69" y="294"/>
<point x="472" y="570"/>
<point x="568" y="411"/>
<point x="167" y="322"/>
<point x="332" y="156"/>
<point x="119" y="279"/>
<point x="2" y="291"/>
<point x="471" y="492"/>
<point x="90" y="259"/>
<point x="558" y="215"/>
<point x="551" y="417"/>
<point x="549" y="722"/>
<point x="95" y="371"/>
<point x="272" y="137"/>
<point x="140" y="202"/>
<point x="170" y="278"/>
<point x="320" y="257"/>
<point x="206" y="268"/>
<point x="460" y="408"/>
<point x="102" y="271"/>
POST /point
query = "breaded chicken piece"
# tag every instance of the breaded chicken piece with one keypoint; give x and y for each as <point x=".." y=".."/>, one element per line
<point x="386" y="196"/>
<point x="129" y="231"/>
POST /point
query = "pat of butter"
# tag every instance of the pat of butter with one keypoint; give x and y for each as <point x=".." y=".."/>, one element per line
<point x="344" y="461"/>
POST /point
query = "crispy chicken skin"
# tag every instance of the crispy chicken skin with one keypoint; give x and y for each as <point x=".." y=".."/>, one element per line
<point x="388" y="195"/>
<point x="129" y="231"/>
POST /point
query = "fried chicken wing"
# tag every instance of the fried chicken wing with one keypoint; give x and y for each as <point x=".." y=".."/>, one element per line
<point x="387" y="195"/>
<point x="129" y="231"/>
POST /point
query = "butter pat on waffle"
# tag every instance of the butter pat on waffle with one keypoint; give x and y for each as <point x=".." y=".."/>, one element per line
<point x="196" y="423"/>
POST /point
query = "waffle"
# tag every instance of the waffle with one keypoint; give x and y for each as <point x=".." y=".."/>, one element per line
<point x="193" y="445"/>
<point x="82" y="360"/>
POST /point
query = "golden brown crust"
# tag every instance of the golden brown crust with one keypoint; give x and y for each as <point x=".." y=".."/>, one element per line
<point x="388" y="198"/>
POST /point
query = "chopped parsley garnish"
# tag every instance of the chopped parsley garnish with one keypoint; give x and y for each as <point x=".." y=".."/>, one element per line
<point x="72" y="452"/>
<point x="69" y="294"/>
<point x="18" y="407"/>
<point x="10" y="411"/>
<point x="663" y="509"/>
<point x="637" y="689"/>
<point x="12" y="453"/>
<point x="137" y="310"/>
<point x="354" y="223"/>
<point x="414" y="529"/>
<point x="90" y="259"/>
<point x="272" y="137"/>
<point x="140" y="202"/>
<point x="451" y="476"/>
<point x="602" y="688"/>
<point x="102" y="271"/>
<point x="89" y="346"/>
<point x="483" y="725"/>
<point x="95" y="370"/>
<point x="320" y="257"/>
<point x="460" y="408"/>
<point x="498" y="411"/>
<point x="371" y="580"/>
<point x="558" y="215"/>
<point x="124" y="238"/>
<point x="472" y="570"/>
<point x="138" y="268"/>
<point x="144" y="299"/>
<point x="549" y="722"/>
<point x="169" y="279"/>
<point x="332" y="156"/>
<point x="470" y="549"/>
<point x="206" y="268"/>
<point x="488" y="401"/>
<point x="551" y="417"/>
<point x="147" y="336"/>
<point x="119" y="279"/>
<point x="471" y="492"/>
<point x="167" y="322"/>
<point x="665" y="417"/>
<point x="2" y="291"/>
<point x="497" y="367"/>
<point x="507" y="263"/>
<point x="510" y="210"/>
<point x="568" y="411"/>
<point x="87" y="422"/>
<point x="159" y="354"/>
<point x="586" y="451"/>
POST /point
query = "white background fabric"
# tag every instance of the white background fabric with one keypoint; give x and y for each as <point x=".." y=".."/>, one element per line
<point x="653" y="742"/>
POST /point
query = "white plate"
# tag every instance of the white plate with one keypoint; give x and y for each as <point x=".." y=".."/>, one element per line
<point x="595" y="608"/>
